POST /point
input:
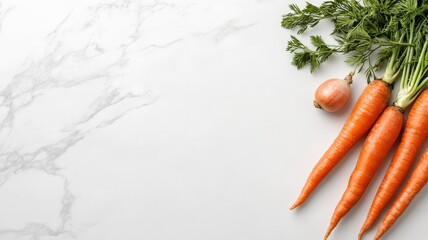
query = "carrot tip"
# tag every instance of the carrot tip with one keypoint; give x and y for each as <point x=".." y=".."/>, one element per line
<point x="326" y="236"/>
<point x="378" y="235"/>
<point x="330" y="229"/>
<point x="362" y="231"/>
<point x="296" y="204"/>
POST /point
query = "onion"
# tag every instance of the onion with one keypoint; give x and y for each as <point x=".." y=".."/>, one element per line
<point x="333" y="94"/>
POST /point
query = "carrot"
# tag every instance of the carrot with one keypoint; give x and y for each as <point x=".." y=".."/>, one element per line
<point x="417" y="181"/>
<point x="366" y="111"/>
<point x="415" y="132"/>
<point x="379" y="141"/>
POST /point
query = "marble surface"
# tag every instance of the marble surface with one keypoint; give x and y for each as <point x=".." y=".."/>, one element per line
<point x="163" y="119"/>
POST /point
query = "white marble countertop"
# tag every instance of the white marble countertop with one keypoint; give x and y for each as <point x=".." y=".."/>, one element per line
<point x="158" y="120"/>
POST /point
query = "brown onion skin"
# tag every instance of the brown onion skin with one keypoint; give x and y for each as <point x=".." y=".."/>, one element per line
<point x="333" y="94"/>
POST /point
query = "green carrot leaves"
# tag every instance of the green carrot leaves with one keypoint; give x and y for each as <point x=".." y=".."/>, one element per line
<point x="363" y="30"/>
<point x="303" y="55"/>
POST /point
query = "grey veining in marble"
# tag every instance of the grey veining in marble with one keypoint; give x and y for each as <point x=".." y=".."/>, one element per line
<point x="80" y="67"/>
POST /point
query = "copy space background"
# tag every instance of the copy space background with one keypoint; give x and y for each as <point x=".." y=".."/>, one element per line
<point x="158" y="120"/>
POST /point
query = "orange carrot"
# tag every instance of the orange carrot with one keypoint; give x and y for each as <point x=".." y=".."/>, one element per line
<point x="379" y="141"/>
<point x="413" y="136"/>
<point x="366" y="111"/>
<point x="417" y="181"/>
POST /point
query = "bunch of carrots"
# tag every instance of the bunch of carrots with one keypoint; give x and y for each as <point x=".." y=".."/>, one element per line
<point x="395" y="33"/>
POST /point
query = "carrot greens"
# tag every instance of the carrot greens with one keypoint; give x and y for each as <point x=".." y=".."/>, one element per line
<point x="362" y="30"/>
